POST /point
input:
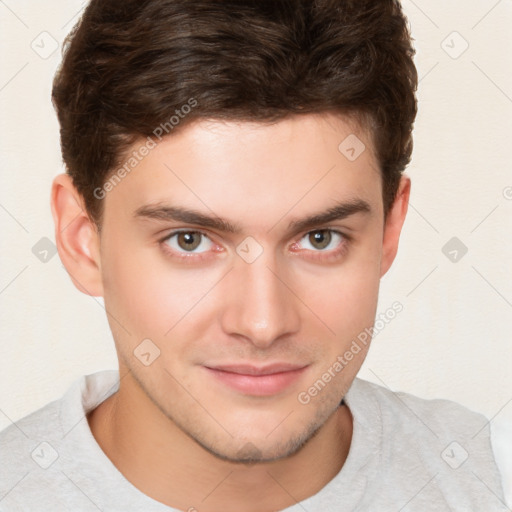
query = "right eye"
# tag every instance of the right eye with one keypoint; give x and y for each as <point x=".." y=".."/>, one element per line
<point x="188" y="241"/>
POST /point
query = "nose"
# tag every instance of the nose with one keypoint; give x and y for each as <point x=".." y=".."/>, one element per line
<point x="260" y="304"/>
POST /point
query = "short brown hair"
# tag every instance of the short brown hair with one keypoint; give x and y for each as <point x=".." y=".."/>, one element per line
<point x="129" y="65"/>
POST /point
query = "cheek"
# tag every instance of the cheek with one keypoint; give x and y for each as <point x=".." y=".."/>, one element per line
<point x="347" y="308"/>
<point x="150" y="296"/>
<point x="345" y="298"/>
<point x="138" y="291"/>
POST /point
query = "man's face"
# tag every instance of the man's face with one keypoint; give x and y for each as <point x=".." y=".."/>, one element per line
<point x="270" y="292"/>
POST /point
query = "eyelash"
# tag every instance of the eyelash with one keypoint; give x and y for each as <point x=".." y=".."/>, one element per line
<point x="338" y="252"/>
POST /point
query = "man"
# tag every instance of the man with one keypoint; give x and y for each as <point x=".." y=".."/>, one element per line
<point x="235" y="192"/>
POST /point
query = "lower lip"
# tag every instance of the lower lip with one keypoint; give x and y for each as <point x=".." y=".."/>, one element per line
<point x="258" y="385"/>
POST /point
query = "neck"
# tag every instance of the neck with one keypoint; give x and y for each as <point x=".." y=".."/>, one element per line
<point x="166" y="464"/>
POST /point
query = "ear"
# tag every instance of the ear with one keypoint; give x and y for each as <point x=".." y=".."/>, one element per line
<point x="394" y="223"/>
<point x="77" y="237"/>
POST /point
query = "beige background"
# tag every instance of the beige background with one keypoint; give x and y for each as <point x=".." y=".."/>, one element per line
<point x="454" y="336"/>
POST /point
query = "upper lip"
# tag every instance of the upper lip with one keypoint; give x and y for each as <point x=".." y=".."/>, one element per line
<point x="248" y="369"/>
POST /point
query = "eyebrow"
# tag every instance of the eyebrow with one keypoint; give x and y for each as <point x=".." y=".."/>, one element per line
<point x="165" y="212"/>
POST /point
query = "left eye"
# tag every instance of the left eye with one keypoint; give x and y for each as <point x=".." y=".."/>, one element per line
<point x="189" y="241"/>
<point x="320" y="240"/>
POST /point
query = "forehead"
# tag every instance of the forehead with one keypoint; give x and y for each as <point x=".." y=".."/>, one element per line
<point x="235" y="169"/>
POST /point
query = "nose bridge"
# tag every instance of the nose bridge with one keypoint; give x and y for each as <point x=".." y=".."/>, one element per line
<point x="260" y="306"/>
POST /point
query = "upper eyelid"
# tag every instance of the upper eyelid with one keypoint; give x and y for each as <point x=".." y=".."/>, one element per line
<point x="205" y="232"/>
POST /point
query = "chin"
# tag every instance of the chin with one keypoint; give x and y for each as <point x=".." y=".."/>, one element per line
<point x="258" y="448"/>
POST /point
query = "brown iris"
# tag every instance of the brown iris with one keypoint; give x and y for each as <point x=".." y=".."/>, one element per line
<point x="189" y="240"/>
<point x="320" y="239"/>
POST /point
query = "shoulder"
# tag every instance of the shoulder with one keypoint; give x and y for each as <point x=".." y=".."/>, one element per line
<point x="436" y="417"/>
<point x="22" y="435"/>
<point x="501" y="439"/>
<point x="438" y="442"/>
<point x="35" y="449"/>
<point x="26" y="446"/>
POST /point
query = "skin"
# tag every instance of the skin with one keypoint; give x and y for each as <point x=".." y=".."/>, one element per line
<point x="175" y="431"/>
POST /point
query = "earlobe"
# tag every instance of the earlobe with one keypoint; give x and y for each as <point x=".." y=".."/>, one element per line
<point x="394" y="223"/>
<point x="76" y="236"/>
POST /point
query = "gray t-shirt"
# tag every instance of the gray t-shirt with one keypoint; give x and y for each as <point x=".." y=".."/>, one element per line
<point x="407" y="454"/>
